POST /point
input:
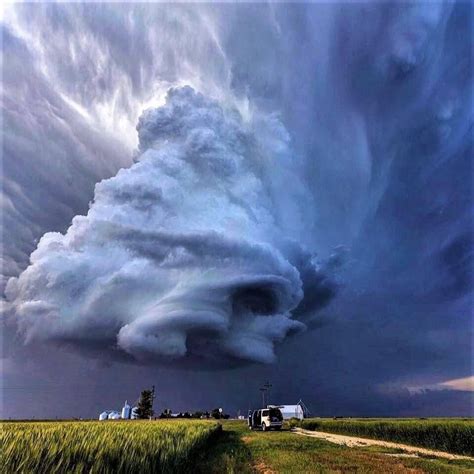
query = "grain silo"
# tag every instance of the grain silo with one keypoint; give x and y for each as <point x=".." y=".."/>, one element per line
<point x="103" y="416"/>
<point x="114" y="415"/>
<point x="126" y="411"/>
<point x="134" y="413"/>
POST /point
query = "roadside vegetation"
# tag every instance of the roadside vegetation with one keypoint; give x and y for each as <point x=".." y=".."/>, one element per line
<point x="450" y="435"/>
<point x="239" y="450"/>
<point x="103" y="447"/>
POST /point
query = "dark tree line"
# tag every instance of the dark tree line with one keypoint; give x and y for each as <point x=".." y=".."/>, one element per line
<point x="145" y="411"/>
<point x="215" y="413"/>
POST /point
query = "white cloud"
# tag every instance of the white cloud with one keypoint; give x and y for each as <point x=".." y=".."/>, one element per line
<point x="465" y="384"/>
<point x="182" y="255"/>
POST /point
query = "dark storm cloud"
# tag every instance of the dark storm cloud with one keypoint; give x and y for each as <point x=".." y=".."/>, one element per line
<point x="375" y="101"/>
<point x="171" y="266"/>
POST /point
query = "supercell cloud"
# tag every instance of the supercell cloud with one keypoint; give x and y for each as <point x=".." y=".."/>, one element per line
<point x="184" y="255"/>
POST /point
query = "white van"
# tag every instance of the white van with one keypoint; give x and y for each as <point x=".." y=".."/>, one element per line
<point x="265" y="419"/>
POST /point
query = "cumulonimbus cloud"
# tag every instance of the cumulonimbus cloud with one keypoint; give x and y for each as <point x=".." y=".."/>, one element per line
<point x="189" y="254"/>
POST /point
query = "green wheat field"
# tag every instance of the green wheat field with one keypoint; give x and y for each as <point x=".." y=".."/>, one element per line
<point x="194" y="446"/>
<point x="443" y="434"/>
<point x="96" y="447"/>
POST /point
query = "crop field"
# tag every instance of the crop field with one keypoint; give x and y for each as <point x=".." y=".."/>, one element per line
<point x="450" y="435"/>
<point x="198" y="447"/>
<point x="98" y="447"/>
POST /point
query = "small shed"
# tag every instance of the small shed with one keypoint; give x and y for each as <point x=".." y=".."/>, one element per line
<point x="292" y="411"/>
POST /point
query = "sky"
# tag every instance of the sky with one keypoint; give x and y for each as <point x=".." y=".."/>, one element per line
<point x="204" y="197"/>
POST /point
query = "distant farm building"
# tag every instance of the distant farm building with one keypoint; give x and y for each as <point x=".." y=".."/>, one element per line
<point x="126" y="413"/>
<point x="293" y="411"/>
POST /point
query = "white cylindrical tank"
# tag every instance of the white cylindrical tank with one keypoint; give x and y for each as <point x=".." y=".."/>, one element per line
<point x="126" y="411"/>
<point x="134" y="413"/>
<point x="114" y="415"/>
<point x="103" y="416"/>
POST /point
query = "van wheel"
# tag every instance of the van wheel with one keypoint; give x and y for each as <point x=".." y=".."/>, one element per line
<point x="264" y="427"/>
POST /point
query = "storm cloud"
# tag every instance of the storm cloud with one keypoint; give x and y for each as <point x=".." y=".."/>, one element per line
<point x="182" y="254"/>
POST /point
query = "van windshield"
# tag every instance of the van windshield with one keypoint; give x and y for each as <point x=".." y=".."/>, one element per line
<point x="276" y="413"/>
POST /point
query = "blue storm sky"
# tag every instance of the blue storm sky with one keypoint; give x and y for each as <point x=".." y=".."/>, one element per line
<point x="207" y="196"/>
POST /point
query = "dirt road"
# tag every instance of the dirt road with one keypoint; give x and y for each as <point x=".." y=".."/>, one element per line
<point x="352" y="441"/>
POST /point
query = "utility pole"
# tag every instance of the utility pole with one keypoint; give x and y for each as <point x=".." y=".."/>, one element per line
<point x="264" y="389"/>
<point x="268" y="386"/>
<point x="152" y="399"/>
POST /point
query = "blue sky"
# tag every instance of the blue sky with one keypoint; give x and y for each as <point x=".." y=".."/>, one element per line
<point x="205" y="197"/>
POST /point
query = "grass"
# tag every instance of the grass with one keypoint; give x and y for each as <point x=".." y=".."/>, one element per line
<point x="450" y="435"/>
<point x="103" y="447"/>
<point x="240" y="450"/>
<point x="198" y="447"/>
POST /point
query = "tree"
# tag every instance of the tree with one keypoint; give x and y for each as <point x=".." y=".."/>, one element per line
<point x="166" y="413"/>
<point x="145" y="405"/>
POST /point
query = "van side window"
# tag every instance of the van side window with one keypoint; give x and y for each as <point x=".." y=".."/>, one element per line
<point x="265" y="413"/>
